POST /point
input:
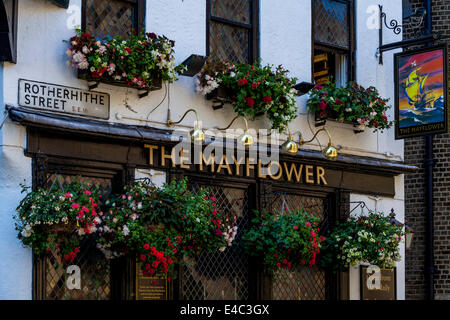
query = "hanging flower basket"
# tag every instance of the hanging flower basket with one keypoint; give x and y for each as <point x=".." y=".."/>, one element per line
<point x="253" y="90"/>
<point x="58" y="218"/>
<point x="288" y="240"/>
<point x="142" y="62"/>
<point x="161" y="225"/>
<point x="372" y="239"/>
<point x="351" y="104"/>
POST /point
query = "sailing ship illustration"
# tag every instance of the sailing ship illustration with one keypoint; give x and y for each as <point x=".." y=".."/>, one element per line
<point x="426" y="105"/>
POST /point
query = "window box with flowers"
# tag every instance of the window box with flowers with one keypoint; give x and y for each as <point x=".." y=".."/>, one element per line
<point x="284" y="241"/>
<point x="372" y="239"/>
<point x="142" y="62"/>
<point x="58" y="219"/>
<point x="253" y="90"/>
<point x="161" y="225"/>
<point x="351" y="104"/>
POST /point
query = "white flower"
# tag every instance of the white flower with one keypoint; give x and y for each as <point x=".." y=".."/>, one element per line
<point x="69" y="53"/>
<point x="85" y="50"/>
<point x="78" y="57"/>
<point x="125" y="230"/>
<point x="27" y="231"/>
<point x="83" y="65"/>
<point x="348" y="109"/>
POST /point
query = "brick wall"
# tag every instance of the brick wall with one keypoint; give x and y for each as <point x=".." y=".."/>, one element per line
<point x="415" y="191"/>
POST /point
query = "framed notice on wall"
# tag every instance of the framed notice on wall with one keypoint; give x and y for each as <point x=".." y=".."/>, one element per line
<point x="421" y="106"/>
<point x="378" y="284"/>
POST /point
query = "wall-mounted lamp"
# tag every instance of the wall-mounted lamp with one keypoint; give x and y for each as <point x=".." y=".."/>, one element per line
<point x="303" y="87"/>
<point x="329" y="152"/>
<point x="246" y="139"/>
<point x="290" y="145"/>
<point x="197" y="134"/>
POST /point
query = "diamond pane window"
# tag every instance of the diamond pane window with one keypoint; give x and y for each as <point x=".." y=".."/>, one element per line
<point x="95" y="270"/>
<point x="110" y="18"/>
<point x="332" y="23"/>
<point x="222" y="275"/>
<point x="304" y="283"/>
<point x="232" y="28"/>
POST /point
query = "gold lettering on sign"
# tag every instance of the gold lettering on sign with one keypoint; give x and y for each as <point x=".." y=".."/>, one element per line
<point x="183" y="159"/>
<point x="291" y="172"/>
<point x="309" y="178"/>
<point x="150" y="152"/>
<point x="298" y="173"/>
<point x="321" y="176"/>
<point x="279" y="172"/>
<point x="224" y="165"/>
<point x="209" y="162"/>
<point x="249" y="166"/>
<point x="260" y="175"/>
<point x="165" y="156"/>
<point x="237" y="164"/>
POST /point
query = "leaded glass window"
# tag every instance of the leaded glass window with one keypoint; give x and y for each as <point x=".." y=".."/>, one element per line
<point x="232" y="30"/>
<point x="110" y="18"/>
<point x="333" y="40"/>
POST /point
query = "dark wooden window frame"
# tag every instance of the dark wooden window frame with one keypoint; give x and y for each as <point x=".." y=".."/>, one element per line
<point x="351" y="67"/>
<point x="122" y="270"/>
<point x="253" y="27"/>
<point x="139" y="16"/>
<point x="8" y="30"/>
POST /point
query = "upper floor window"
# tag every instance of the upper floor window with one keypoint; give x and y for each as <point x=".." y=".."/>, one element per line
<point x="333" y="36"/>
<point x="232" y="30"/>
<point x="110" y="18"/>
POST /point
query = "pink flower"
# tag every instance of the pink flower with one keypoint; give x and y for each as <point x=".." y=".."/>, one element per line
<point x="322" y="105"/>
<point x="87" y="192"/>
<point x="75" y="205"/>
<point x="308" y="224"/>
<point x="68" y="195"/>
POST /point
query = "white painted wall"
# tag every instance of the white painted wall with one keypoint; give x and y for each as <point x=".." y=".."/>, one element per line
<point x="284" y="39"/>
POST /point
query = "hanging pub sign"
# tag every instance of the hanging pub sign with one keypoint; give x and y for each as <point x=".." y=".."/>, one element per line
<point x="421" y="92"/>
<point x="378" y="284"/>
<point x="62" y="99"/>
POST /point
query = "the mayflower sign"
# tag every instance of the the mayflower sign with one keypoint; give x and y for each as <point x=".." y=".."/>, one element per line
<point x="56" y="98"/>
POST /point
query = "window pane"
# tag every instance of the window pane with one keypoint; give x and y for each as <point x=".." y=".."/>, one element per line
<point x="95" y="269"/>
<point x="229" y="43"/>
<point x="110" y="18"/>
<point x="220" y="275"/>
<point x="236" y="10"/>
<point x="303" y="283"/>
<point x="331" y="22"/>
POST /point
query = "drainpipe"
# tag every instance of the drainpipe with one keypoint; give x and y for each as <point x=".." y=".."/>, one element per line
<point x="428" y="166"/>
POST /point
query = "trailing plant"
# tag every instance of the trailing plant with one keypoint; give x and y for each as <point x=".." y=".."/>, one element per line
<point x="284" y="240"/>
<point x="253" y="89"/>
<point x="372" y="239"/>
<point x="137" y="61"/>
<point x="351" y="103"/>
<point x="58" y="218"/>
<point x="161" y="225"/>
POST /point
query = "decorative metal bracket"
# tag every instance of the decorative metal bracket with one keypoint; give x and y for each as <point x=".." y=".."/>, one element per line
<point x="416" y="20"/>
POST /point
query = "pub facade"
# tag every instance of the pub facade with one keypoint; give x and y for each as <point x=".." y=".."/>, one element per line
<point x="60" y="125"/>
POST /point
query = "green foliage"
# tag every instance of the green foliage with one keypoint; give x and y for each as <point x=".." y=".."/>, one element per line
<point x="372" y="239"/>
<point x="255" y="90"/>
<point x="136" y="61"/>
<point x="285" y="240"/>
<point x="351" y="103"/>
<point x="58" y="218"/>
<point x="161" y="225"/>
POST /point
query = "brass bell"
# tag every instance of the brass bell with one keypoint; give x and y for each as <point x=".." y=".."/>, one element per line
<point x="246" y="139"/>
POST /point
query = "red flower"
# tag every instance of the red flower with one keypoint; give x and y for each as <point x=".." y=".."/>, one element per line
<point x="128" y="50"/>
<point x="318" y="87"/>
<point x="175" y="251"/>
<point x="250" y="102"/>
<point x="267" y="99"/>
<point x="338" y="101"/>
<point x="152" y="35"/>
<point x="146" y="246"/>
<point x="143" y="257"/>
<point x="322" y="105"/>
<point x="76" y="250"/>
<point x="242" y="81"/>
<point x="295" y="227"/>
<point x="285" y="261"/>
<point x="278" y="265"/>
<point x="385" y="118"/>
<point x="289" y="265"/>
<point x="276" y="255"/>
<point x="254" y="85"/>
